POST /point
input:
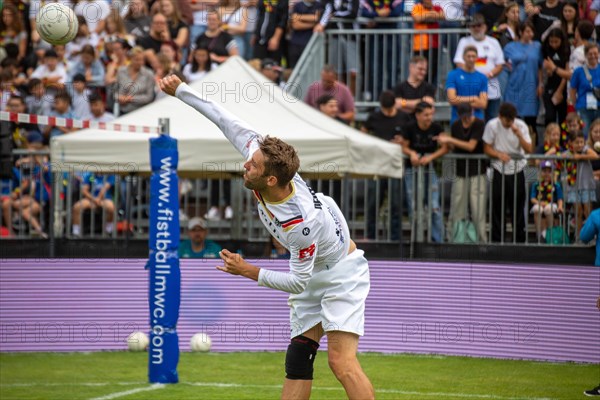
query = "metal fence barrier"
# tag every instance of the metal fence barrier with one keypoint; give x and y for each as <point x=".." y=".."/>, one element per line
<point x="369" y="61"/>
<point x="43" y="201"/>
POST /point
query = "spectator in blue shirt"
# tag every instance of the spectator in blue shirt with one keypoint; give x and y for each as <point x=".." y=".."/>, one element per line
<point x="583" y="87"/>
<point x="197" y="246"/>
<point x="61" y="109"/>
<point x="466" y="85"/>
<point x="525" y="86"/>
<point x="89" y="66"/>
<point x="96" y="192"/>
<point x="33" y="191"/>
<point x="591" y="229"/>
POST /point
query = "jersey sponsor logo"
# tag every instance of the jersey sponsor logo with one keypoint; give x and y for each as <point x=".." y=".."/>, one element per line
<point x="305" y="231"/>
<point x="308" y="252"/>
<point x="316" y="202"/>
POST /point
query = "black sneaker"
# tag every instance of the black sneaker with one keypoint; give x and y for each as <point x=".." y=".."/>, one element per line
<point x="593" y="392"/>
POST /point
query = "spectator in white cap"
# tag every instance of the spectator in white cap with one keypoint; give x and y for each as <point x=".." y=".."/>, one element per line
<point x="197" y="246"/>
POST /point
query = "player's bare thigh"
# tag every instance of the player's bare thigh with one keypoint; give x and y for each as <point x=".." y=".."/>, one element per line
<point x="315" y="333"/>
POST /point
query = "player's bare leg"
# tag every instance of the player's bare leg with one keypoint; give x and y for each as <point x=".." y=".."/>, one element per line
<point x="342" y="348"/>
<point x="299" y="389"/>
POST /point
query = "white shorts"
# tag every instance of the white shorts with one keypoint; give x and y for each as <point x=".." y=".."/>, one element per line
<point x="334" y="297"/>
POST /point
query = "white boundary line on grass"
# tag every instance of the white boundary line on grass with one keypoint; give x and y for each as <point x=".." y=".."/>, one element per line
<point x="394" y="391"/>
<point x="240" y="385"/>
<point x="128" y="392"/>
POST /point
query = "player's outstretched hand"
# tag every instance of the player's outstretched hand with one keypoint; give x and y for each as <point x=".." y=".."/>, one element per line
<point x="169" y="84"/>
<point x="233" y="263"/>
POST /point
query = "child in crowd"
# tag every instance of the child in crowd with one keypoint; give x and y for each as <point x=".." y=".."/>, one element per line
<point x="551" y="146"/>
<point x="62" y="109"/>
<point x="581" y="188"/>
<point x="594" y="136"/>
<point x="38" y="102"/>
<point x="28" y="199"/>
<point x="97" y="193"/>
<point x="572" y="123"/>
<point x="79" y="99"/>
<point x="546" y="199"/>
<point x="98" y="111"/>
<point x="7" y="88"/>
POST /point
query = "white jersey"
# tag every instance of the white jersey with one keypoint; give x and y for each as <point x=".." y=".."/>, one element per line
<point x="310" y="225"/>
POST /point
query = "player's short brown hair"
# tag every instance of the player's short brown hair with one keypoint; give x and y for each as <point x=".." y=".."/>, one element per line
<point x="281" y="159"/>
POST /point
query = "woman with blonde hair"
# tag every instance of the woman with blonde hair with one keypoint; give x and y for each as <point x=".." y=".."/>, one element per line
<point x="594" y="135"/>
<point x="234" y="17"/>
<point x="114" y="29"/>
<point x="137" y="20"/>
<point x="134" y="76"/>
<point x="180" y="33"/>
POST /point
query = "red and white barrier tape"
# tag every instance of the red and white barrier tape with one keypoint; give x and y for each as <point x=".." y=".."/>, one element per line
<point x="74" y="123"/>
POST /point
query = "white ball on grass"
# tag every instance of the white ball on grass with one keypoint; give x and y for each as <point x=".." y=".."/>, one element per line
<point x="200" y="342"/>
<point x="56" y="23"/>
<point x="138" y="341"/>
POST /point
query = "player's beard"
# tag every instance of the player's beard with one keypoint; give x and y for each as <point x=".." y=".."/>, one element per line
<point x="258" y="183"/>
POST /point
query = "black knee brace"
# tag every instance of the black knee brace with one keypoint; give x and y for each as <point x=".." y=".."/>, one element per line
<point x="300" y="358"/>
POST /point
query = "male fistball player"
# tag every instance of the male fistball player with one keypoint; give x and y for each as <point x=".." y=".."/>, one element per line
<point x="328" y="280"/>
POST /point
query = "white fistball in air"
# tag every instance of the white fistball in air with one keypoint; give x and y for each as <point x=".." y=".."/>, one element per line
<point x="56" y="23"/>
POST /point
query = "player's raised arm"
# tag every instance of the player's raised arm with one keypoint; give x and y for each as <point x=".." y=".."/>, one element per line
<point x="239" y="133"/>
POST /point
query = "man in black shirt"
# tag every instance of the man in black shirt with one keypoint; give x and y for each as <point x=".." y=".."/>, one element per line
<point x="492" y="12"/>
<point x="385" y="123"/>
<point x="422" y="149"/>
<point x="543" y="15"/>
<point x="469" y="185"/>
<point x="415" y="89"/>
<point x="271" y="25"/>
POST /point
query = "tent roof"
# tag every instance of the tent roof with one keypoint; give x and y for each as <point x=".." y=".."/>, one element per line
<point x="323" y="143"/>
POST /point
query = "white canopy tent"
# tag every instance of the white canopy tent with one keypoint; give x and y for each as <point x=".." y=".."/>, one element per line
<point x="323" y="144"/>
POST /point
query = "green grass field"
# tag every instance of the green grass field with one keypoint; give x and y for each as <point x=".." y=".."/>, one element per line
<point x="122" y="375"/>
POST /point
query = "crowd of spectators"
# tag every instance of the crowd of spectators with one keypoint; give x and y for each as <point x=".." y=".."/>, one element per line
<point x="519" y="61"/>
